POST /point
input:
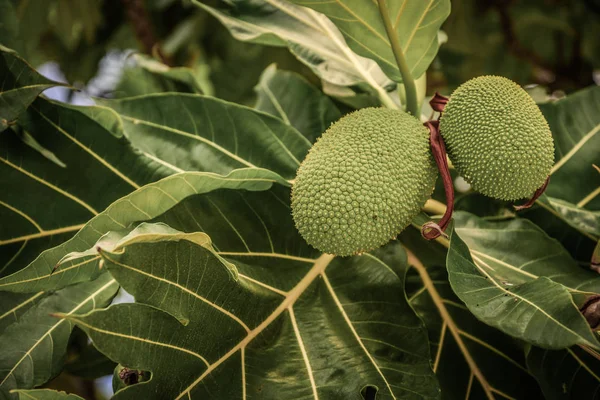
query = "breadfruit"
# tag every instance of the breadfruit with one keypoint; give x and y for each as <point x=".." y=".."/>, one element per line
<point x="497" y="138"/>
<point x="363" y="181"/>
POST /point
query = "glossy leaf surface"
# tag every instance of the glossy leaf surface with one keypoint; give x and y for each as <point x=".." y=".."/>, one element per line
<point x="143" y="204"/>
<point x="575" y="125"/>
<point x="517" y="309"/>
<point x="466" y="353"/>
<point x="415" y="23"/>
<point x="233" y="336"/>
<point x="19" y="87"/>
<point x="291" y="98"/>
<point x="310" y="36"/>
<point x="34" y="347"/>
<point x="200" y="133"/>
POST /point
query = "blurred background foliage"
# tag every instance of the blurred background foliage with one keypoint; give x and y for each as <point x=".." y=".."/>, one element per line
<point x="552" y="43"/>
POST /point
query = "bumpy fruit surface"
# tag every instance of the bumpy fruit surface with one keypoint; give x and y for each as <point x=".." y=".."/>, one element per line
<point x="363" y="181"/>
<point x="497" y="138"/>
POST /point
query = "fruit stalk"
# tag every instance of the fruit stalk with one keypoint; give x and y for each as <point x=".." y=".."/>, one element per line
<point x="431" y="230"/>
<point x="540" y="191"/>
<point x="412" y="105"/>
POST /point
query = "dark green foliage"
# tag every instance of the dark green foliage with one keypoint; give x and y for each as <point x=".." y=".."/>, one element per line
<point x="176" y="187"/>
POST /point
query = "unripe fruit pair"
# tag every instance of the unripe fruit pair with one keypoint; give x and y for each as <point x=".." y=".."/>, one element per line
<point x="370" y="173"/>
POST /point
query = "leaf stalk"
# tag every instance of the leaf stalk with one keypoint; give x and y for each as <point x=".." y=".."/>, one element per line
<point x="412" y="104"/>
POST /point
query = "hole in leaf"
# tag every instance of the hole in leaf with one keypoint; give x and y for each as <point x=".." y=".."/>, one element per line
<point x="130" y="377"/>
<point x="369" y="392"/>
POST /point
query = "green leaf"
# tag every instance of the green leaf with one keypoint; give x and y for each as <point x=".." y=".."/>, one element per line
<point x="199" y="133"/>
<point x="518" y="309"/>
<point x="20" y="86"/>
<point x="416" y="24"/>
<point x="9" y="26"/>
<point x="517" y="251"/>
<point x="14" y="305"/>
<point x="45" y="394"/>
<point x="146" y="203"/>
<point x="310" y="36"/>
<point x="576" y="228"/>
<point x="572" y="373"/>
<point x="292" y="335"/>
<point x="34" y="144"/>
<point x="151" y="76"/>
<point x="44" y="204"/>
<point x="583" y="220"/>
<point x="470" y="358"/>
<point x="288" y="96"/>
<point x="196" y="79"/>
<point x="34" y="347"/>
<point x="123" y="377"/>
<point x="575" y="125"/>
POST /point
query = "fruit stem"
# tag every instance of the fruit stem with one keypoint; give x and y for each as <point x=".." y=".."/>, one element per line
<point x="535" y="196"/>
<point x="431" y="230"/>
<point x="412" y="105"/>
<point x="438" y="102"/>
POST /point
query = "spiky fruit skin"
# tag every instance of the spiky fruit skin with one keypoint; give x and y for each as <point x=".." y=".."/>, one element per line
<point x="497" y="138"/>
<point x="363" y="181"/>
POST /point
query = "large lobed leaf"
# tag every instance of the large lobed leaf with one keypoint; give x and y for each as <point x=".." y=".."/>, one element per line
<point x="281" y="324"/>
<point x="416" y="24"/>
<point x="146" y="203"/>
<point x="115" y="160"/>
<point x="43" y="203"/>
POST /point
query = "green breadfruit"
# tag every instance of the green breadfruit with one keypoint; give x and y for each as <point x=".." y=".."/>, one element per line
<point x="363" y="181"/>
<point x="497" y="138"/>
